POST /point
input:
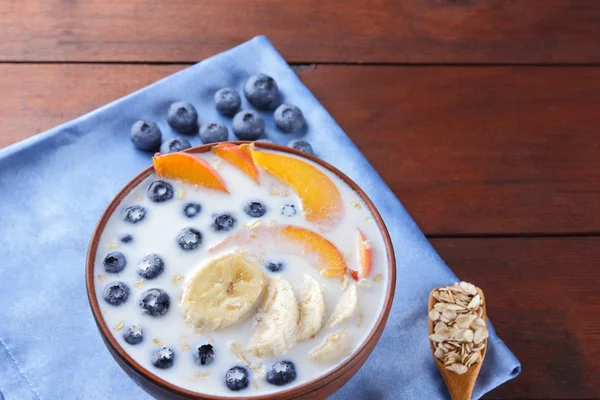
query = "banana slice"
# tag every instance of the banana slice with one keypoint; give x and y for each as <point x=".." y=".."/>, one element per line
<point x="221" y="293"/>
<point x="336" y="346"/>
<point x="345" y="307"/>
<point x="275" y="331"/>
<point x="312" y="309"/>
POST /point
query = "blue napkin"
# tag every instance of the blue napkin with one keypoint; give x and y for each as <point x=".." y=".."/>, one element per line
<point x="56" y="185"/>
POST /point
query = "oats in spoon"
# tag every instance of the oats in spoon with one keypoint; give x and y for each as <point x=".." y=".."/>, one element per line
<point x="460" y="333"/>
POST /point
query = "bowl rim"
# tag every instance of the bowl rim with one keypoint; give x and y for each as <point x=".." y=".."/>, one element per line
<point x="362" y="352"/>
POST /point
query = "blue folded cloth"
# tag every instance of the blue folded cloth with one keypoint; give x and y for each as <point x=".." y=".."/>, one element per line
<point x="56" y="185"/>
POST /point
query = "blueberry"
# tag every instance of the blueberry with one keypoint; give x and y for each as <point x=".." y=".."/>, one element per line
<point x="151" y="266"/>
<point x="274" y="267"/>
<point x="227" y="101"/>
<point x="261" y="91"/>
<point x="182" y="117"/>
<point x="160" y="191"/>
<point x="114" y="262"/>
<point x="224" y="223"/>
<point x="116" y="293"/>
<point x="134" y="334"/>
<point x="155" y="302"/>
<point x="192" y="209"/>
<point x="288" y="210"/>
<point x="301" y="145"/>
<point x="146" y="135"/>
<point x="236" y="378"/>
<point x="126" y="239"/>
<point x="281" y="373"/>
<point x="134" y="214"/>
<point x="205" y="354"/>
<point x="163" y="358"/>
<point x="248" y="125"/>
<point x="213" y="132"/>
<point x="255" y="209"/>
<point x="189" y="238"/>
<point x="174" y="145"/>
<point x="288" y="118"/>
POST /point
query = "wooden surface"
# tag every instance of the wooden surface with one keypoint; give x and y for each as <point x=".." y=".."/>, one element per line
<point x="481" y="115"/>
<point x="542" y="298"/>
<point x="390" y="31"/>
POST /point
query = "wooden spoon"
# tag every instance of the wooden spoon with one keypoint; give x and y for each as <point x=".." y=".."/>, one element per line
<point x="459" y="386"/>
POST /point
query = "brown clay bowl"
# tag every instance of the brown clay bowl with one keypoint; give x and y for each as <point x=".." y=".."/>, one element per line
<point x="316" y="389"/>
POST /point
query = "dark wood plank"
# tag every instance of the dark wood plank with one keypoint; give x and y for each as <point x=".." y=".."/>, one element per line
<point x="37" y="97"/>
<point x="542" y="296"/>
<point x="400" y="31"/>
<point x="469" y="150"/>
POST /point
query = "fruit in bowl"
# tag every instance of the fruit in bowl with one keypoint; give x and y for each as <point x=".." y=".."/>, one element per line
<point x="240" y="270"/>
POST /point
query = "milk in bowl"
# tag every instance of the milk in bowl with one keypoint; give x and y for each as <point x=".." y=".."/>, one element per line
<point x="240" y="271"/>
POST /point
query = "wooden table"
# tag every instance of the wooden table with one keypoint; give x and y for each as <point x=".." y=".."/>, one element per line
<point x="482" y="115"/>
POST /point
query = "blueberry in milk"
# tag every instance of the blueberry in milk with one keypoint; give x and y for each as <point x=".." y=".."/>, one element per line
<point x="134" y="214"/>
<point x="155" y="302"/>
<point x="223" y="223"/>
<point x="281" y="373"/>
<point x="288" y="210"/>
<point x="288" y="118"/>
<point x="146" y="135"/>
<point x="114" y="262"/>
<point x="126" y="238"/>
<point x="227" y="101"/>
<point x="205" y="354"/>
<point x="191" y="210"/>
<point x="160" y="191"/>
<point x="261" y="91"/>
<point x="116" y="293"/>
<point x="274" y="266"/>
<point x="189" y="238"/>
<point x="255" y="209"/>
<point x="163" y="358"/>
<point x="183" y="117"/>
<point x="150" y="266"/>
<point x="134" y="334"/>
<point x="236" y="378"/>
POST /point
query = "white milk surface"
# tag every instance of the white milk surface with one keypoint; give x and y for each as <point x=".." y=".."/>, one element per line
<point x="157" y="233"/>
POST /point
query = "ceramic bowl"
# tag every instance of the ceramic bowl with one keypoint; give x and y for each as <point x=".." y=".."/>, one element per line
<point x="318" y="388"/>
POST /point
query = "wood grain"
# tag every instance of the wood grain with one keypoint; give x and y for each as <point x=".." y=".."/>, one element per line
<point x="468" y="150"/>
<point x="379" y="31"/>
<point x="542" y="296"/>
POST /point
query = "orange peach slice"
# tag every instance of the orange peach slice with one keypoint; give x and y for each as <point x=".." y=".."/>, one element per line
<point x="238" y="157"/>
<point x="320" y="197"/>
<point x="246" y="148"/>
<point x="188" y="168"/>
<point x="289" y="239"/>
<point x="365" y="256"/>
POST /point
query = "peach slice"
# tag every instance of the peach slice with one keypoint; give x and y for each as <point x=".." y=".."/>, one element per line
<point x="238" y="157"/>
<point x="246" y="148"/>
<point x="319" y="195"/>
<point x="317" y="250"/>
<point x="188" y="168"/>
<point x="365" y="256"/>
